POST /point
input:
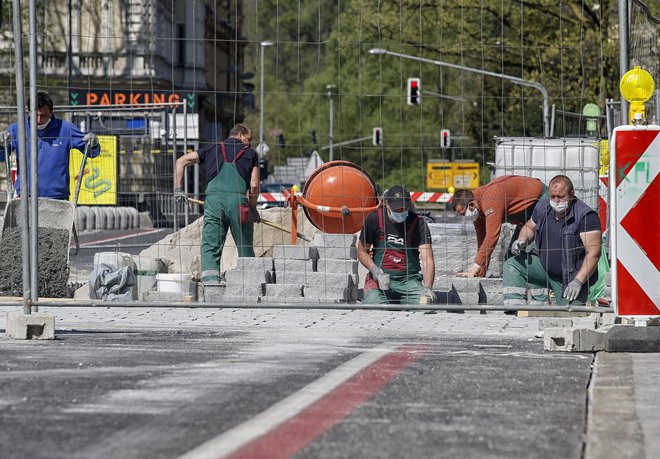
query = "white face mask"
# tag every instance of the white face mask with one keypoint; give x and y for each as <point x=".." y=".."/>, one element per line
<point x="41" y="127"/>
<point x="560" y="206"/>
<point x="471" y="214"/>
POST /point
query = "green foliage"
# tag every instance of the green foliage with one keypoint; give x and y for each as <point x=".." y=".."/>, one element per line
<point x="569" y="47"/>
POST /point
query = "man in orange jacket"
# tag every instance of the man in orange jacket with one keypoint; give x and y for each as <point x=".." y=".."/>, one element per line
<point x="507" y="199"/>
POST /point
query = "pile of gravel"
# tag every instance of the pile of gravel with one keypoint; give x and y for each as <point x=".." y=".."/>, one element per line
<point x="53" y="271"/>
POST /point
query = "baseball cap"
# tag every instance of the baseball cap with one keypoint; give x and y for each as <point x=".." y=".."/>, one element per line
<point x="397" y="197"/>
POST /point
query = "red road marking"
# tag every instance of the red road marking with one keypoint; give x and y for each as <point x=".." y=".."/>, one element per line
<point x="297" y="432"/>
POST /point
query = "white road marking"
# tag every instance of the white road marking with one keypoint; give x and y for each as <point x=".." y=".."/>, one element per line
<point x="233" y="439"/>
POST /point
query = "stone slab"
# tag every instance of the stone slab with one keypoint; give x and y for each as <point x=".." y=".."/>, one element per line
<point x="237" y="277"/>
<point x="279" y="291"/>
<point x="170" y="297"/>
<point x="317" y="278"/>
<point x="283" y="265"/>
<point x="628" y="338"/>
<point x="254" y="264"/>
<point x="253" y="290"/>
<point x="214" y="293"/>
<point x="334" y="240"/>
<point x="340" y="253"/>
<point x="287" y="299"/>
<point x="37" y="325"/>
<point x="295" y="252"/>
<point x="331" y="265"/>
<point x="330" y="293"/>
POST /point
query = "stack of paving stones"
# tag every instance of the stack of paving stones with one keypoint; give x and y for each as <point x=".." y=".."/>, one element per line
<point x="454" y="249"/>
<point x="336" y="271"/>
<point x="247" y="282"/>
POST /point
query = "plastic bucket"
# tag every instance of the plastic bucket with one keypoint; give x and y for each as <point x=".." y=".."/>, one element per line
<point x="174" y="283"/>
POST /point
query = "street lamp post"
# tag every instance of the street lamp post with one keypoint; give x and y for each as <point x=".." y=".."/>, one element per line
<point x="520" y="81"/>
<point x="331" y="88"/>
<point x="262" y="149"/>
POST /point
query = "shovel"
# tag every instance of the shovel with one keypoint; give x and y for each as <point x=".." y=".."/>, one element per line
<point x="265" y="222"/>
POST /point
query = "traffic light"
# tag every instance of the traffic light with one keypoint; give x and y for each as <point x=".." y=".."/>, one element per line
<point x="414" y="91"/>
<point x="377" y="136"/>
<point x="263" y="169"/>
<point x="280" y="141"/>
<point x="312" y="136"/>
<point x="445" y="138"/>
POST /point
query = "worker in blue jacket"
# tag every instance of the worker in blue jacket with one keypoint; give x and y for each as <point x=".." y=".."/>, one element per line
<point x="56" y="139"/>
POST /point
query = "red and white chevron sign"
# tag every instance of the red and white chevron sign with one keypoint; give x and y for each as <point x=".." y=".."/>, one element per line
<point x="634" y="224"/>
<point x="415" y="196"/>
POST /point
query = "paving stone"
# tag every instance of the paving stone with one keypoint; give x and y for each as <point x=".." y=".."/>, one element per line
<point x="283" y="265"/>
<point x="171" y="297"/>
<point x="330" y="265"/>
<point x="287" y="299"/>
<point x="214" y="294"/>
<point x="629" y="338"/>
<point x="230" y="299"/>
<point x="330" y="293"/>
<point x="340" y="253"/>
<point x="252" y="290"/>
<point x="280" y="291"/>
<point x="237" y="277"/>
<point x="334" y="240"/>
<point x="295" y="252"/>
<point x="254" y="263"/>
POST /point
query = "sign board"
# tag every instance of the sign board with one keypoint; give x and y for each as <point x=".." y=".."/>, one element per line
<point x="191" y="127"/>
<point x="131" y="97"/>
<point x="634" y="224"/>
<point x="99" y="183"/>
<point x="442" y="175"/>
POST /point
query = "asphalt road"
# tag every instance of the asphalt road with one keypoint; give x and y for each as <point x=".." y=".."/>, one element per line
<point x="315" y="385"/>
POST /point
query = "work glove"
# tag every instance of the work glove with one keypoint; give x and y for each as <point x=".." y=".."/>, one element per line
<point x="91" y="140"/>
<point x="180" y="195"/>
<point x="430" y="294"/>
<point x="381" y="277"/>
<point x="256" y="218"/>
<point x="573" y="289"/>
<point x="518" y="246"/>
<point x="5" y="136"/>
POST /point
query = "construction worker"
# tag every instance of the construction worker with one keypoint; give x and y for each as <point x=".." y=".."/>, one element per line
<point x="232" y="190"/>
<point x="55" y="140"/>
<point x="568" y="246"/>
<point x="392" y="242"/>
<point x="508" y="199"/>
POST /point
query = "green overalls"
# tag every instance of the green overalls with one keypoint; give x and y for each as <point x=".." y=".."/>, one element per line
<point x="401" y="262"/>
<point x="224" y="194"/>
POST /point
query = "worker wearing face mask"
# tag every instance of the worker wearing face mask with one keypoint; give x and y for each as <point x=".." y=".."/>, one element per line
<point x="567" y="235"/>
<point x="55" y="140"/>
<point x="508" y="199"/>
<point x="393" y="242"/>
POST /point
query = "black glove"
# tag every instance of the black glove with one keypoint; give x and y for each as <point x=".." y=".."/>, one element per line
<point x="180" y="195"/>
<point x="256" y="218"/>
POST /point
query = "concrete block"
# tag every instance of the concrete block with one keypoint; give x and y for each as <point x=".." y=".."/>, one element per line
<point x="30" y="326"/>
<point x="237" y="277"/>
<point x="214" y="293"/>
<point x="469" y="298"/>
<point x="279" y="291"/>
<point x="330" y="265"/>
<point x="555" y="323"/>
<point x="573" y="340"/>
<point x="340" y="253"/>
<point x="283" y="265"/>
<point x="334" y="240"/>
<point x="330" y="294"/>
<point x="253" y="290"/>
<point x="170" y="297"/>
<point x="287" y="300"/>
<point x="628" y="338"/>
<point x="295" y="252"/>
<point x="254" y="263"/>
<point x="331" y="279"/>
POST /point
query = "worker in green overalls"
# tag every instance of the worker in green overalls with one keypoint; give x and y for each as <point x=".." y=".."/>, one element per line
<point x="393" y="241"/>
<point x="232" y="190"/>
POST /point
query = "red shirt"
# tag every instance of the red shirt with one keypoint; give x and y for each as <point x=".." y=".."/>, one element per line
<point x="498" y="202"/>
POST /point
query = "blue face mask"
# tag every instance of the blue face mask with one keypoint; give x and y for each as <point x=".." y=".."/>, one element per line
<point x="399" y="217"/>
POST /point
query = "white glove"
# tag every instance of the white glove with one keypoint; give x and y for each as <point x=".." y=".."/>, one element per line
<point x="91" y="140"/>
<point x="430" y="294"/>
<point x="5" y="136"/>
<point x="573" y="289"/>
<point x="180" y="195"/>
<point x="518" y="246"/>
<point x="381" y="277"/>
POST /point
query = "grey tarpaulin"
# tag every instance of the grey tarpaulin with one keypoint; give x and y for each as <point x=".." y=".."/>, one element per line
<point x="108" y="283"/>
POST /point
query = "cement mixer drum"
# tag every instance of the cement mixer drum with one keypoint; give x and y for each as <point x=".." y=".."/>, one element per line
<point x="338" y="184"/>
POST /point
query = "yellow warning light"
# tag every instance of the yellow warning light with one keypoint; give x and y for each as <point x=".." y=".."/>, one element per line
<point x="636" y="87"/>
<point x="451" y="190"/>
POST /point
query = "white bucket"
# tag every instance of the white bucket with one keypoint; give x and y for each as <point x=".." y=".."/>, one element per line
<point x="145" y="273"/>
<point x="174" y="283"/>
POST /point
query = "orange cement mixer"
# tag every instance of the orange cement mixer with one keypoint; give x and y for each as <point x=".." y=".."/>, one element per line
<point x="337" y="197"/>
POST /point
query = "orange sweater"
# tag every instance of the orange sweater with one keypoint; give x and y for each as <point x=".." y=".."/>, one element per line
<point x="496" y="202"/>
